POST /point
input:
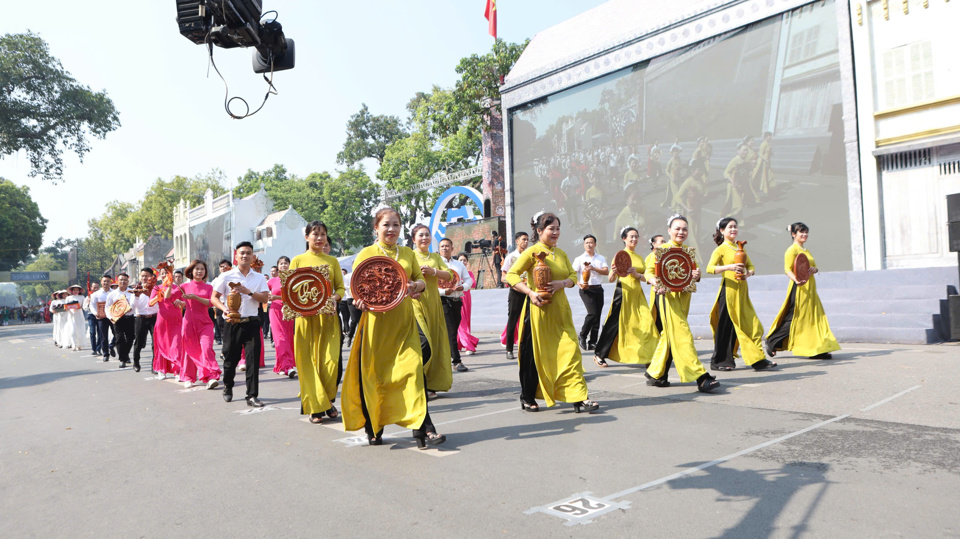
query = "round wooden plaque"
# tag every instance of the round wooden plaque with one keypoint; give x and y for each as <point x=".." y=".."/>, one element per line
<point x="306" y="291"/>
<point x="452" y="283"/>
<point x="380" y="282"/>
<point x="118" y="309"/>
<point x="801" y="268"/>
<point x="675" y="270"/>
<point x="623" y="262"/>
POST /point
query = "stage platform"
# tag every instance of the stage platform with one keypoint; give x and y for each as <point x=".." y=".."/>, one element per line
<point x="886" y="306"/>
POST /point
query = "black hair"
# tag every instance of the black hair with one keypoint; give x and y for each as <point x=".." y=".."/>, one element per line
<point x="225" y="261"/>
<point x="519" y="235"/>
<point x="148" y="270"/>
<point x="721" y="225"/>
<point x="797" y="227"/>
<point x="590" y="237"/>
<point x="178" y="271"/>
<point x="462" y="253"/>
<point x="244" y="244"/>
<point x="107" y="276"/>
<point x="314" y="225"/>
<point x="542" y="221"/>
<point x="122" y="275"/>
<point x="653" y="240"/>
<point x="626" y="230"/>
<point x="416" y="227"/>
<point x="445" y="239"/>
<point x="381" y="213"/>
<point x="287" y="258"/>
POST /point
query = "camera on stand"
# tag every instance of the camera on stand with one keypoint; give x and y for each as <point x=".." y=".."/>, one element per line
<point x="236" y="23"/>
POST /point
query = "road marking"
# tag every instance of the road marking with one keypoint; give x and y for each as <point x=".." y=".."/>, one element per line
<point x="583" y="508"/>
<point x="257" y="410"/>
<point x="16" y="341"/>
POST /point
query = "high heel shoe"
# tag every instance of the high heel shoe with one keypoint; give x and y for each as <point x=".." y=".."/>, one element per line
<point x="586" y="406"/>
<point x="431" y="438"/>
<point x="374" y="439"/>
<point x="529" y="406"/>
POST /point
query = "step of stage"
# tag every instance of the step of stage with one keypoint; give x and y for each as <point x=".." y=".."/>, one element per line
<point x="887" y="306"/>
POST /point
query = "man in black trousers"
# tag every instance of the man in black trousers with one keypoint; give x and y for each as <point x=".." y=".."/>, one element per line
<point x="452" y="301"/>
<point x="124" y="326"/>
<point x="514" y="298"/>
<point x="243" y="334"/>
<point x="145" y="317"/>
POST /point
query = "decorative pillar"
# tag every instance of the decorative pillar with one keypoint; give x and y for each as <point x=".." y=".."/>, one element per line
<point x="492" y="161"/>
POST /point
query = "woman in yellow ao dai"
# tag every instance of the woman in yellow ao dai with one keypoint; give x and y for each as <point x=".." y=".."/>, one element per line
<point x="383" y="382"/>
<point x="550" y="364"/>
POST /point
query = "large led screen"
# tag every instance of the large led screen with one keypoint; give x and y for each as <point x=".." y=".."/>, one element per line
<point x="746" y="124"/>
<point x="208" y="242"/>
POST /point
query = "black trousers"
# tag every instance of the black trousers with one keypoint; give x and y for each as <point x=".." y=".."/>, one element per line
<point x="103" y="337"/>
<point x="218" y="325"/>
<point x="529" y="379"/>
<point x="427" y="425"/>
<point x="611" y="328"/>
<point x="142" y="326"/>
<point x="592" y="297"/>
<point x="777" y="339"/>
<point x="452" y="313"/>
<point x="354" y="317"/>
<point x="265" y="324"/>
<point x="725" y="337"/>
<point x="124" y="328"/>
<point x="514" y="308"/>
<point x="242" y="337"/>
<point x="343" y="309"/>
<point x="94" y="333"/>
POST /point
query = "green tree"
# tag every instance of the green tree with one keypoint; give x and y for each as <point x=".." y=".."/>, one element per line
<point x="21" y="225"/>
<point x="368" y="137"/>
<point x="304" y="194"/>
<point x="480" y="80"/>
<point x="154" y="215"/>
<point x="43" y="109"/>
<point x="43" y="262"/>
<point x="350" y="198"/>
<point x="117" y="227"/>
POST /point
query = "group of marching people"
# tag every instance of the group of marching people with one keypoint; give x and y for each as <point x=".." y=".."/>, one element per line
<point x="656" y="333"/>
<point x="400" y="358"/>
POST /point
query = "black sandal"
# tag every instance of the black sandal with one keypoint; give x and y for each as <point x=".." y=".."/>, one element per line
<point x="707" y="383"/>
<point x="720" y="368"/>
<point x="763" y="365"/>
<point x="529" y="406"/>
<point x="599" y="361"/>
<point x="316" y="419"/>
<point x="333" y="413"/>
<point x="586" y="406"/>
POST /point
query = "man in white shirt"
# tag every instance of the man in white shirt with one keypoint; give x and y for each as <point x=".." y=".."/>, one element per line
<point x="452" y="300"/>
<point x="242" y="335"/>
<point x="124" y="325"/>
<point x="591" y="292"/>
<point x="90" y="312"/>
<point x="98" y="306"/>
<point x="514" y="298"/>
<point x="146" y="317"/>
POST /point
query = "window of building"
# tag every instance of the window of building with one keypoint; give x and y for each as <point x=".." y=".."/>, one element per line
<point x="908" y="74"/>
<point x="804" y="45"/>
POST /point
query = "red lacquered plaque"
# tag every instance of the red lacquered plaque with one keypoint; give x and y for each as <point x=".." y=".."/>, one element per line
<point x="801" y="268"/>
<point x="623" y="262"/>
<point x="674" y="269"/>
<point x="452" y="283"/>
<point x="380" y="282"/>
<point x="305" y="291"/>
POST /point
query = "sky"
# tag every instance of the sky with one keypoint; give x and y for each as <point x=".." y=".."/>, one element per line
<point x="172" y="118"/>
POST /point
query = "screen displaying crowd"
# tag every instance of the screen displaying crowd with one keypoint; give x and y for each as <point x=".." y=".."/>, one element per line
<point x="746" y="124"/>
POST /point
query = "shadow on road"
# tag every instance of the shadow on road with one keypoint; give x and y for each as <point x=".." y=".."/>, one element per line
<point x="771" y="491"/>
<point x="38" y="379"/>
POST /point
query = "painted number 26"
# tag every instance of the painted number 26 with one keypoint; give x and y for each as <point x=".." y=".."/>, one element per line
<point x="585" y="507"/>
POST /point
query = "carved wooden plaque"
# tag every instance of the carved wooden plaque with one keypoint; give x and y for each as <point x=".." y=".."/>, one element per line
<point x="380" y="282"/>
<point x="118" y="309"/>
<point x="306" y="292"/>
<point x="623" y="262"/>
<point x="674" y="269"/>
<point x="801" y="268"/>
<point x="452" y="283"/>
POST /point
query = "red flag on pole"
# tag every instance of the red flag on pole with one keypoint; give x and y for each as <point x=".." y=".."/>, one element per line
<point x="491" y="15"/>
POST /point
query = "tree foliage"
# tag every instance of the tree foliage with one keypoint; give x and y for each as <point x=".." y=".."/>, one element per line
<point x="154" y="215"/>
<point x="350" y="198"/>
<point x="287" y="190"/>
<point x="21" y="225"/>
<point x="43" y="109"/>
<point x="479" y="80"/>
<point x="368" y="137"/>
<point x="42" y="291"/>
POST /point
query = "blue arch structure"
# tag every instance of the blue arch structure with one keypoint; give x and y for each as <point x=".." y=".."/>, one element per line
<point x="438" y="226"/>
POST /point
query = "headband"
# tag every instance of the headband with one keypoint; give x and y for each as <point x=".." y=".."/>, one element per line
<point x="673" y="218"/>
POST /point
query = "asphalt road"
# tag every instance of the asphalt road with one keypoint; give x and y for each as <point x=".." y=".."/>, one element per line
<point x="865" y="445"/>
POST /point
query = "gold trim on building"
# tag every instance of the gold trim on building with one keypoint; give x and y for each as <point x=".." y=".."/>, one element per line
<point x="886" y="11"/>
<point x="918" y="136"/>
<point x="906" y="7"/>
<point x="859" y="15"/>
<point x="923" y="105"/>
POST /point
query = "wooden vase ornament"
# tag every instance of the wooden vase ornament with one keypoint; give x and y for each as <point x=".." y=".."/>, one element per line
<point x="542" y="277"/>
<point x="740" y="257"/>
<point x="233" y="304"/>
<point x="586" y="275"/>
